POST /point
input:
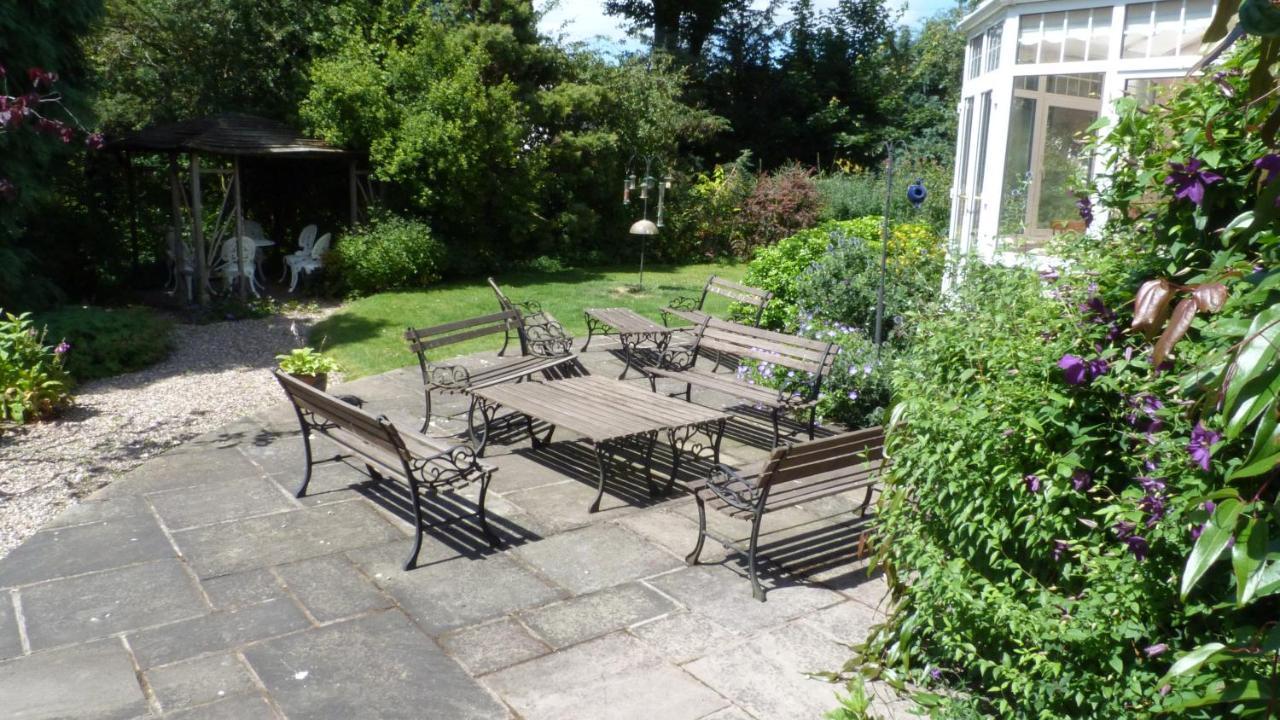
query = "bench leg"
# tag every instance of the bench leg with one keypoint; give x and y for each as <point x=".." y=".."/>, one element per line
<point x="813" y="418"/>
<point x="648" y="463"/>
<point x="591" y="330"/>
<point x="426" y="418"/>
<point x="418" y="529"/>
<point x="757" y="592"/>
<point x="692" y="558"/>
<point x="478" y="438"/>
<point x="688" y="392"/>
<point x="306" y="450"/>
<point x="866" y="502"/>
<point x="774" y="416"/>
<point x="489" y="535"/>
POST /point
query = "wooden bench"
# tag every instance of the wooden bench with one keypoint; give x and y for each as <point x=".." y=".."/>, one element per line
<point x="552" y="357"/>
<point x="690" y="309"/>
<point x="539" y="332"/>
<point x="810" y="359"/>
<point x="791" y="475"/>
<point x="424" y="465"/>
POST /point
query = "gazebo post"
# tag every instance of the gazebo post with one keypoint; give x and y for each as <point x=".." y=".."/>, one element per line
<point x="353" y="187"/>
<point x="235" y="183"/>
<point x="179" y="249"/>
<point x="200" y="265"/>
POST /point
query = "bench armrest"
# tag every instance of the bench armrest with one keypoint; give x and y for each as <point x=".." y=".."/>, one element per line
<point x="678" y="359"/>
<point x="728" y="485"/>
<point x="445" y="376"/>
<point x="435" y="465"/>
<point x="547" y="339"/>
<point x="531" y="307"/>
<point x="684" y="303"/>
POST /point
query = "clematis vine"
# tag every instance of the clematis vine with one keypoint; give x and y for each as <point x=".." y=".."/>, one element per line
<point x="1032" y="482"/>
<point x="1078" y="371"/>
<point x="1201" y="445"/>
<point x="1081" y="480"/>
<point x="1190" y="181"/>
<point x="1270" y="164"/>
<point x="1085" y="206"/>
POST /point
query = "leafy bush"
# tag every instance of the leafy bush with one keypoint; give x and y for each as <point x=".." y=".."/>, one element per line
<point x="915" y="271"/>
<point x="33" y="382"/>
<point x="109" y="341"/>
<point x="859" y="192"/>
<point x="708" y="221"/>
<point x="391" y="252"/>
<point x="1039" y="503"/>
<point x="780" y="204"/>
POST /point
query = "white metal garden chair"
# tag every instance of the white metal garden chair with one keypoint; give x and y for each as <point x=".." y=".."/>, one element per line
<point x="311" y="263"/>
<point x="231" y="270"/>
<point x="179" y="274"/>
<point x="306" y="239"/>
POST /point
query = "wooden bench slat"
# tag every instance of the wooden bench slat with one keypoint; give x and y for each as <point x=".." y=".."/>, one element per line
<point x="744" y="351"/>
<point x="768" y="344"/>
<point x="764" y="334"/>
<point x="723" y="382"/>
<point x="435" y="342"/>
<point x="498" y="317"/>
<point x="756" y="295"/>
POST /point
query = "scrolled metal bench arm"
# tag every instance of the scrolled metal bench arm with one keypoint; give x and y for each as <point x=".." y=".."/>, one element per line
<point x="729" y="486"/>
<point x="446" y="376"/>
<point x="677" y="359"/>
<point x="683" y="303"/>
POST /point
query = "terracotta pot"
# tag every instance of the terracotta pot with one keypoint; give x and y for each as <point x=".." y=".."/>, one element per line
<point x="319" y="382"/>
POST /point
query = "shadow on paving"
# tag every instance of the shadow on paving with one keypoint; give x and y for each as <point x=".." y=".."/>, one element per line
<point x="753" y="427"/>
<point x="624" y="478"/>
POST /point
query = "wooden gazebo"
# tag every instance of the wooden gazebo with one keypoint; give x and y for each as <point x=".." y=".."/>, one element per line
<point x="236" y="136"/>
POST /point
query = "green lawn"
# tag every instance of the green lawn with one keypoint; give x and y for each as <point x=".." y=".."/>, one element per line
<point x="366" y="335"/>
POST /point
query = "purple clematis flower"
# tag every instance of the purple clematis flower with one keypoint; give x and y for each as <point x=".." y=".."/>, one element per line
<point x="1033" y="483"/>
<point x="63" y="348"/>
<point x="1269" y="164"/>
<point x="1085" y="206"/>
<point x="1190" y="181"/>
<point x="1097" y="311"/>
<point x="1081" y="480"/>
<point x="1097" y="368"/>
<point x="1138" y="546"/>
<point x="1201" y="444"/>
<point x="1060" y="548"/>
<point x="1154" y="650"/>
<point x="1074" y="369"/>
<point x="1123" y="529"/>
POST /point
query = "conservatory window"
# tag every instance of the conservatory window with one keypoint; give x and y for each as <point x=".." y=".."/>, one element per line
<point x="993" y="46"/>
<point x="1149" y="91"/>
<point x="980" y="164"/>
<point x="975" y="57"/>
<point x="1166" y="28"/>
<point x="1046" y="154"/>
<point x="1071" y="36"/>
<point x="962" y="167"/>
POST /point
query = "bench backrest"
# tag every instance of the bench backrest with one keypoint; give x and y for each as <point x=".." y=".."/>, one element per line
<point x="316" y="407"/>
<point x="424" y="339"/>
<point x="790" y="351"/>
<point x="860" y="452"/>
<point x="755" y="297"/>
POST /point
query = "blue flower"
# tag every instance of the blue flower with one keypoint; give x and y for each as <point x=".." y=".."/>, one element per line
<point x="1201" y="444"/>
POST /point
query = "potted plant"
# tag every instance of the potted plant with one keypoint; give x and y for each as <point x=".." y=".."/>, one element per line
<point x="309" y="366"/>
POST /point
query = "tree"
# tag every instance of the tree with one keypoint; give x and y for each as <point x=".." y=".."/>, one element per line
<point x="679" y="27"/>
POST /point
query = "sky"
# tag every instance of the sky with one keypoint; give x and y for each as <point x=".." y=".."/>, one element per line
<point x="585" y="19"/>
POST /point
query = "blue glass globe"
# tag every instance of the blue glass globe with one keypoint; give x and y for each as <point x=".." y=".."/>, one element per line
<point x="916" y="193"/>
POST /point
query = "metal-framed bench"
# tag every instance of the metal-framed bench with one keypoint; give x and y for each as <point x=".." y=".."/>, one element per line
<point x="536" y="329"/>
<point x="546" y="355"/>
<point x="791" y="475"/>
<point x="424" y="465"/>
<point x="811" y="359"/>
<point x="690" y="309"/>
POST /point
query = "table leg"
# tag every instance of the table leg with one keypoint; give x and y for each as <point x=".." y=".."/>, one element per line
<point x="651" y="439"/>
<point x="628" y="343"/>
<point x="602" y="468"/>
<point x="480" y="439"/>
<point x="534" y="440"/>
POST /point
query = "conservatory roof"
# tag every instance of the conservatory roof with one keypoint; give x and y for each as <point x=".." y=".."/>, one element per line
<point x="233" y="134"/>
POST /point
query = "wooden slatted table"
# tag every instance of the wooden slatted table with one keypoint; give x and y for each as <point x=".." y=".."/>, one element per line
<point x="632" y="329"/>
<point x="608" y="413"/>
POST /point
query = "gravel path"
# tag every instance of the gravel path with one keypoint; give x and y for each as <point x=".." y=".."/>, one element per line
<point x="216" y="373"/>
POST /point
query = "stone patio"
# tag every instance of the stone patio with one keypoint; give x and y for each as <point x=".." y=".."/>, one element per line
<point x="197" y="586"/>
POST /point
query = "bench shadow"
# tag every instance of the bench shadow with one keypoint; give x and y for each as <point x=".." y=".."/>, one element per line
<point x="624" y="478"/>
<point x="833" y="555"/>
<point x="753" y="426"/>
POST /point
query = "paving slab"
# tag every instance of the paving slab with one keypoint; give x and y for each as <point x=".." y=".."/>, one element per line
<point x="94" y="680"/>
<point x="767" y="674"/>
<point x="596" y="557"/>
<point x="10" y="640"/>
<point x="673" y="531"/>
<point x="286" y="537"/>
<point x="180" y="468"/>
<point x="332" y="588"/>
<point x="588" y="616"/>
<point x="563" y="506"/>
<point x="846" y="623"/>
<point x="200" y="681"/>
<point x="242" y="589"/>
<point x="729" y="713"/>
<point x="92" y="606"/>
<point x="457" y="593"/>
<point x="721" y="594"/>
<point x="376" y="666"/>
<point x="610" y="677"/>
<point x="244" y="707"/>
<point x="219" y="500"/>
<point x="215" y="632"/>
<point x="60" y="552"/>
<point x="685" y="636"/>
<point x="485" y="648"/>
<point x="93" y="510"/>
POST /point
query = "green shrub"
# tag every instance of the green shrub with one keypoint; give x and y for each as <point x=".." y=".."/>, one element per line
<point x="708" y="220"/>
<point x="801" y="270"/>
<point x="391" y="252"/>
<point x="33" y="382"/>
<point x="859" y="192"/>
<point x="108" y="341"/>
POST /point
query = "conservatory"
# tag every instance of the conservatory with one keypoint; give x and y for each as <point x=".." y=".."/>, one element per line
<point x="1036" y="75"/>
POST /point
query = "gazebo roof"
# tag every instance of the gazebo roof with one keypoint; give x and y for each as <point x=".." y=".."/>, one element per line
<point x="233" y="134"/>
